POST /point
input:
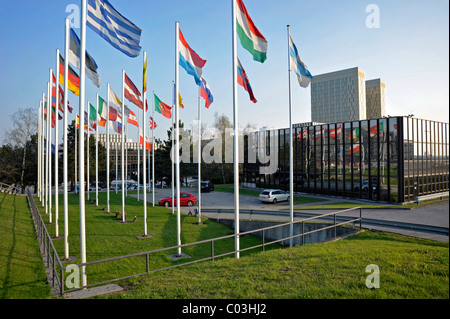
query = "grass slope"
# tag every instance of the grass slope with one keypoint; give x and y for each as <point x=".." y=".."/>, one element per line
<point x="22" y="273"/>
<point x="409" y="268"/>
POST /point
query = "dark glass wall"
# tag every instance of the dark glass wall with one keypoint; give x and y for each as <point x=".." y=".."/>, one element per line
<point x="390" y="159"/>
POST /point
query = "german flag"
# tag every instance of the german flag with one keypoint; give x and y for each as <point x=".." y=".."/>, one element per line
<point x="74" y="79"/>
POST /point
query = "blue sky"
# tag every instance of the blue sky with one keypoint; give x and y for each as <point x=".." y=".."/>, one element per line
<point x="410" y="51"/>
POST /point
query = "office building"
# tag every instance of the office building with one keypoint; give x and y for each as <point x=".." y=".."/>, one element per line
<point x="375" y="98"/>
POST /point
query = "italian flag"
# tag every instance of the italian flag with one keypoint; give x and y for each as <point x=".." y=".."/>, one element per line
<point x="102" y="112"/>
<point x="251" y="39"/>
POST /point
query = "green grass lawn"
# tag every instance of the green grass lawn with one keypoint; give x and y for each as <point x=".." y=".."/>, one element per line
<point x="409" y="268"/>
<point x="22" y="273"/>
<point x="106" y="237"/>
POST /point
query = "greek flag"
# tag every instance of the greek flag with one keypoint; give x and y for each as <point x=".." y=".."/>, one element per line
<point x="113" y="27"/>
<point x="296" y="65"/>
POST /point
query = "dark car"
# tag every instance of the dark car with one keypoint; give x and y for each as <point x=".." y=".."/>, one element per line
<point x="186" y="199"/>
<point x="207" y="186"/>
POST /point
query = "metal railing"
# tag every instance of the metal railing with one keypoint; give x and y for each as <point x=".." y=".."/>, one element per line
<point x="48" y="251"/>
<point x="53" y="259"/>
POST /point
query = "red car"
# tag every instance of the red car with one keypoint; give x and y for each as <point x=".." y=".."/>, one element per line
<point x="186" y="199"/>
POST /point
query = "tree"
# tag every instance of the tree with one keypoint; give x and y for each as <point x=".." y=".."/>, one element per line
<point x="25" y="123"/>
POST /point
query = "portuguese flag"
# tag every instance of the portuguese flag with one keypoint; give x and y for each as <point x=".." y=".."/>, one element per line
<point x="251" y="39"/>
<point x="162" y="107"/>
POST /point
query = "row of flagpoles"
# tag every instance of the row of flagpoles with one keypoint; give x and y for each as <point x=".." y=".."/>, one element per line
<point x="123" y="35"/>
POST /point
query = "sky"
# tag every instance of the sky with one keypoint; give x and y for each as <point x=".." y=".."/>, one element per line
<point x="409" y="51"/>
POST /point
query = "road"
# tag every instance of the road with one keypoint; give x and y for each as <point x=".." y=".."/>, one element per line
<point x="433" y="215"/>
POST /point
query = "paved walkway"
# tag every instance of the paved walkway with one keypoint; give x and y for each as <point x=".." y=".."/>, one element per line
<point x="433" y="215"/>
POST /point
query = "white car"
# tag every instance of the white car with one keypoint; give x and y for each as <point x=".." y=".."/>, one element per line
<point x="273" y="196"/>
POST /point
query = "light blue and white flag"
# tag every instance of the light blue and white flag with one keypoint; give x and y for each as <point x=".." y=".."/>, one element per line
<point x="296" y="65"/>
<point x="113" y="27"/>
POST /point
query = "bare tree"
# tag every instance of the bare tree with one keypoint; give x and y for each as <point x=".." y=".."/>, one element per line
<point x="25" y="123"/>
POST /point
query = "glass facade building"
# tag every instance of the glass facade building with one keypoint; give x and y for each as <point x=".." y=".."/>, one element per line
<point x="390" y="159"/>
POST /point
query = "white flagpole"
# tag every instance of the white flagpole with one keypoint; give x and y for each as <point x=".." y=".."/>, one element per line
<point x="144" y="119"/>
<point x="76" y="159"/>
<point x="88" y="105"/>
<point x="65" y="155"/>
<point x="291" y="155"/>
<point x="42" y="152"/>
<point x="139" y="157"/>
<point x="123" y="147"/>
<point x="236" y="136"/>
<point x="177" y="136"/>
<point x="173" y="154"/>
<point x="153" y="155"/>
<point x="126" y="158"/>
<point x="39" y="153"/>
<point x="199" y="204"/>
<point x="81" y="146"/>
<point x="57" y="147"/>
<point x="107" y="155"/>
<point x="117" y="147"/>
<point x="49" y="147"/>
<point x="96" y="154"/>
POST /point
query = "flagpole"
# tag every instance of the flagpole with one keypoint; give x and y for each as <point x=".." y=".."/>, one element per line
<point x="81" y="146"/>
<point x="39" y="153"/>
<point x="172" y="150"/>
<point x="144" y="176"/>
<point x="107" y="154"/>
<point x="139" y="158"/>
<point x="199" y="152"/>
<point x="65" y="143"/>
<point x="96" y="155"/>
<point x="123" y="147"/>
<point x="126" y="156"/>
<point x="57" y="147"/>
<point x="49" y="148"/>
<point x="76" y="158"/>
<point x="291" y="153"/>
<point x="117" y="147"/>
<point x="153" y="154"/>
<point x="42" y="152"/>
<point x="46" y="153"/>
<point x="177" y="136"/>
<point x="88" y="105"/>
<point x="236" y="135"/>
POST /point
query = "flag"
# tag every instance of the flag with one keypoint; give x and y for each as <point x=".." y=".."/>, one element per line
<point x="131" y="118"/>
<point x="148" y="145"/>
<point x="61" y="103"/>
<point x="152" y="123"/>
<point x="243" y="80"/>
<point x="132" y="94"/>
<point x="92" y="117"/>
<point x="116" y="125"/>
<point x="114" y="101"/>
<point x="190" y="60"/>
<point x="355" y="134"/>
<point x="296" y="65"/>
<point x="355" y="149"/>
<point x="45" y="146"/>
<point x="102" y="112"/>
<point x="113" y="27"/>
<point x="145" y="76"/>
<point x="319" y="133"/>
<point x="85" y="121"/>
<point x="162" y="107"/>
<point x="74" y="58"/>
<point x="113" y="113"/>
<point x="336" y="131"/>
<point x="251" y="39"/>
<point x="205" y="92"/>
<point x="180" y="100"/>
<point x="374" y="132"/>
<point x="74" y="79"/>
<point x="302" y="134"/>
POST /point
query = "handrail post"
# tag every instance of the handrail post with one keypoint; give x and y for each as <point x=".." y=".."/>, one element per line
<point x="212" y="250"/>
<point x="303" y="233"/>
<point x="147" y="263"/>
<point x="62" y="281"/>
<point x="360" y="218"/>
<point x="263" y="240"/>
<point x="334" y="226"/>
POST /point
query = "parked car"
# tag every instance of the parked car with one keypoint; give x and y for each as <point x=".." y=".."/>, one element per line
<point x="185" y="199"/>
<point x="273" y="196"/>
<point x="207" y="186"/>
<point x="366" y="185"/>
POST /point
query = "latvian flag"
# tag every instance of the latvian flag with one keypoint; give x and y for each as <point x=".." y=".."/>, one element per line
<point x="131" y="92"/>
